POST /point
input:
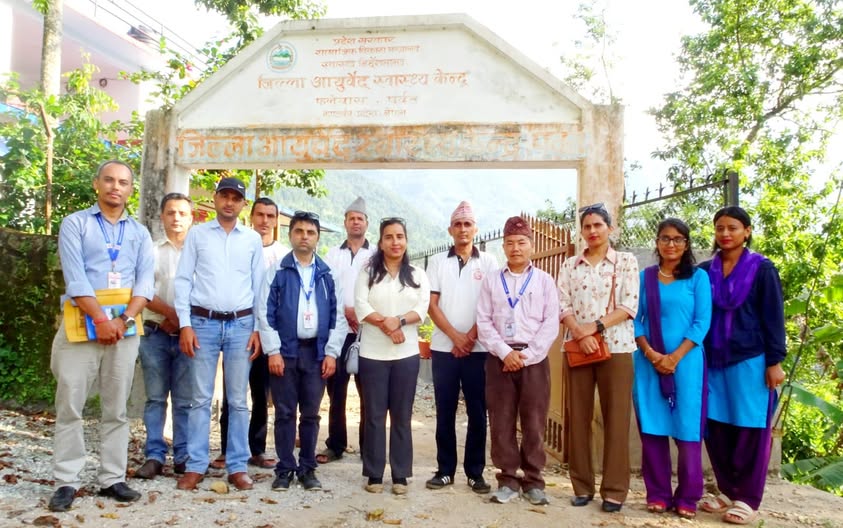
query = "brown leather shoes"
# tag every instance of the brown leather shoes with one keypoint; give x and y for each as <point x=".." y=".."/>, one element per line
<point x="241" y="481"/>
<point x="149" y="470"/>
<point x="189" y="481"/>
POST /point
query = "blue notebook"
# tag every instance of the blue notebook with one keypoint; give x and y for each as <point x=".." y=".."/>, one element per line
<point x="112" y="311"/>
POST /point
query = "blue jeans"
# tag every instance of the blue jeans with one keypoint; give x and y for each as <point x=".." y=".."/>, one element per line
<point x="230" y="337"/>
<point x="449" y="375"/>
<point x="300" y="387"/>
<point x="165" y="373"/>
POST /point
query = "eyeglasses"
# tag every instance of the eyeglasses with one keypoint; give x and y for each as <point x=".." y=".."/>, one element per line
<point x="306" y="215"/>
<point x="393" y="220"/>
<point x="677" y="241"/>
<point x="599" y="206"/>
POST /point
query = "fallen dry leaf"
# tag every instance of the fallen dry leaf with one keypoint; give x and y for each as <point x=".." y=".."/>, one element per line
<point x="46" y="520"/>
<point x="10" y="478"/>
<point x="121" y="505"/>
<point x="109" y="516"/>
<point x="80" y="518"/>
<point x="268" y="500"/>
<point x="374" y="515"/>
<point x="392" y="521"/>
<point x="152" y="496"/>
<point x="100" y="504"/>
<point x="537" y="510"/>
<point x="218" y="486"/>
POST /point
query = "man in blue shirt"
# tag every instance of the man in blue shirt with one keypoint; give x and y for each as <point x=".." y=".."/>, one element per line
<point x="100" y="248"/>
<point x="302" y="307"/>
<point x="218" y="282"/>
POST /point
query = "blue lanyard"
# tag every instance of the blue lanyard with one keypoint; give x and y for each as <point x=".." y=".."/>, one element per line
<point x="308" y="293"/>
<point x="513" y="304"/>
<point x="113" y="249"/>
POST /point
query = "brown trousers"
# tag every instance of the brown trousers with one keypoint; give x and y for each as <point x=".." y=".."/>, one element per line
<point x="512" y="396"/>
<point x="613" y="379"/>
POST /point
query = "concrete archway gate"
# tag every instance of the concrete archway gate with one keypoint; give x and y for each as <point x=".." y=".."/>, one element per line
<point x="436" y="91"/>
<point x="396" y="92"/>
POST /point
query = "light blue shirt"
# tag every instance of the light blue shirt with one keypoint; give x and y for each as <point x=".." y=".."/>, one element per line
<point x="220" y="271"/>
<point x="85" y="260"/>
<point x="305" y="305"/>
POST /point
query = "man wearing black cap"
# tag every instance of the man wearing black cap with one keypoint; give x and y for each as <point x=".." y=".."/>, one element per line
<point x="218" y="286"/>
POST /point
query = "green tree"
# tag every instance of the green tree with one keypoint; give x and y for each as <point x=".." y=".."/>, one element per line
<point x="81" y="141"/>
<point x="589" y="67"/>
<point x="178" y="78"/>
<point x="762" y="94"/>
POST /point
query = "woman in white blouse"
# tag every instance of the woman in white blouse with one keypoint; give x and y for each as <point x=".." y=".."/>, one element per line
<point x="390" y="299"/>
<point x="585" y="283"/>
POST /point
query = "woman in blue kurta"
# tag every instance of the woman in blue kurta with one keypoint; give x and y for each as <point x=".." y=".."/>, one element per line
<point x="744" y="350"/>
<point x="669" y="389"/>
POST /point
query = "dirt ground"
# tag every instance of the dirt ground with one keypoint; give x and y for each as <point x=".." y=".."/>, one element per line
<point x="25" y="459"/>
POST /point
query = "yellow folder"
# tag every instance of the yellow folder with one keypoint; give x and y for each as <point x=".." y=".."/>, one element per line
<point x="74" y="317"/>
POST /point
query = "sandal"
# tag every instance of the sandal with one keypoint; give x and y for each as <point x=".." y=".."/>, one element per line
<point x="262" y="462"/>
<point x="327" y="455"/>
<point x="686" y="513"/>
<point x="656" y="507"/>
<point x="718" y="504"/>
<point x="740" y="513"/>
<point x="218" y="463"/>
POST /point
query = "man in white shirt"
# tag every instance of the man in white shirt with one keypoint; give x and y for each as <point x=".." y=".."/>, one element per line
<point x="165" y="368"/>
<point x="346" y="261"/>
<point x="264" y="219"/>
<point x="458" y="358"/>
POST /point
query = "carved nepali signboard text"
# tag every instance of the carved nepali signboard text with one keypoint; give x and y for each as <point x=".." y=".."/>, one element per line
<point x="402" y="144"/>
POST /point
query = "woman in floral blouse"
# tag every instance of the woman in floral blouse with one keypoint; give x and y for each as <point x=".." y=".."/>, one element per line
<point x="587" y="308"/>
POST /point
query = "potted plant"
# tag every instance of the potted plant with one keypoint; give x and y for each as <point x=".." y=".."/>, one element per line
<point x="425" y="332"/>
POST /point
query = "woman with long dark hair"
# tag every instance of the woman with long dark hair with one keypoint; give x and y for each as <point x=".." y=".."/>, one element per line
<point x="391" y="297"/>
<point x="598" y="294"/>
<point x="669" y="390"/>
<point x="745" y="347"/>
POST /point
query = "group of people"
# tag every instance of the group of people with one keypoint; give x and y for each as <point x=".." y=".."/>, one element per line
<point x="286" y="322"/>
<point x="700" y="350"/>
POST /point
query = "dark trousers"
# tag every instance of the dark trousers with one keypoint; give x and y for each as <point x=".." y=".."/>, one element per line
<point x="337" y="439"/>
<point x="388" y="387"/>
<point x="522" y="396"/>
<point x="300" y="388"/>
<point x="259" y="389"/>
<point x="613" y="379"/>
<point x="449" y="375"/>
<point x="739" y="457"/>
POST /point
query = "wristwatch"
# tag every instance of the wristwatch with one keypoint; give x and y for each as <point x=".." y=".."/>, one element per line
<point x="600" y="326"/>
<point x="402" y="320"/>
<point x="128" y="320"/>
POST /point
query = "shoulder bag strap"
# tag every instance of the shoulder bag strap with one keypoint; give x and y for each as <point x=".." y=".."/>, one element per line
<point x="611" y="304"/>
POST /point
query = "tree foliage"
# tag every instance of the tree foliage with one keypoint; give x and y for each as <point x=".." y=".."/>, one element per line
<point x="82" y="142"/>
<point x="180" y="76"/>
<point x="762" y="94"/>
<point x="589" y="68"/>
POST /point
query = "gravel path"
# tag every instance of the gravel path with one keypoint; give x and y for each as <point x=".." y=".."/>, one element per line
<point x="25" y="488"/>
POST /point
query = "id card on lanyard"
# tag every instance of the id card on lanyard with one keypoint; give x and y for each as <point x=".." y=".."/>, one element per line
<point x="114" y="280"/>
<point x="307" y="315"/>
<point x="509" y="328"/>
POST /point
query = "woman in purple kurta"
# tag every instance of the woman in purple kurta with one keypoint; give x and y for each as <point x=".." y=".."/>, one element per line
<point x="745" y="347"/>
